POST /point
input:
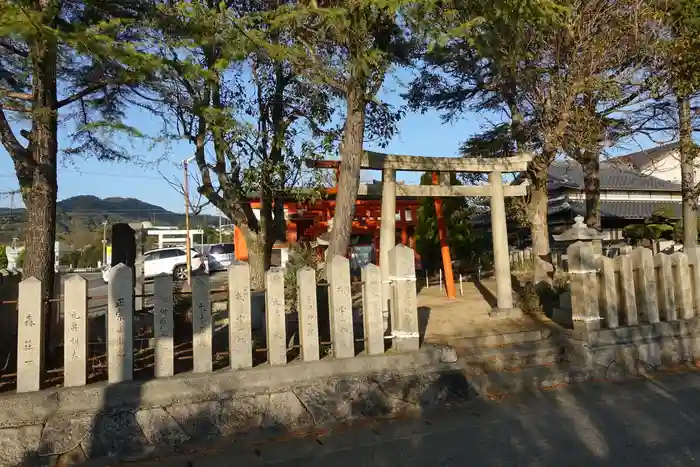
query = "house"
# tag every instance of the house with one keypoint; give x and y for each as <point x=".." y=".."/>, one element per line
<point x="661" y="162"/>
<point x="627" y="196"/>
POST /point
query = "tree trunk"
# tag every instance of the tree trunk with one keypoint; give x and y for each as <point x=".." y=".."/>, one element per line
<point x="38" y="179"/>
<point x="690" y="207"/>
<point x="591" y="187"/>
<point x="537" y="216"/>
<point x="258" y="260"/>
<point x="351" y="156"/>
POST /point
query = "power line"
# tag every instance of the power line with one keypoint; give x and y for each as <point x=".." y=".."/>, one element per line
<point x="102" y="174"/>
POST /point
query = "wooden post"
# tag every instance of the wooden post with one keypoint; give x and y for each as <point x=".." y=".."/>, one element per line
<point x="444" y="246"/>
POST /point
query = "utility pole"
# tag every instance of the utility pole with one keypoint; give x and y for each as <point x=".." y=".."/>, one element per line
<point x="220" y="232"/>
<point x="104" y="243"/>
<point x="185" y="189"/>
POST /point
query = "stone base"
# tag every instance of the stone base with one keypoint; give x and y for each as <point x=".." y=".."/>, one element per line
<point x="500" y="313"/>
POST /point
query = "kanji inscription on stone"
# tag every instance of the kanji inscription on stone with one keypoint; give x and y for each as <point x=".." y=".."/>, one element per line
<point x="163" y="325"/>
<point x="275" y="320"/>
<point x="308" y="316"/>
<point x="201" y="325"/>
<point x="120" y="324"/>
<point x="29" y="336"/>
<point x="75" y="332"/>
<point x="239" y="325"/>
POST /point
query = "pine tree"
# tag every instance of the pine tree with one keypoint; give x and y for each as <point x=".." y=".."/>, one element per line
<point x="62" y="60"/>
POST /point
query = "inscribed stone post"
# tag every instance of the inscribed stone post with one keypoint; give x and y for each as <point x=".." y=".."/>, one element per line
<point x="645" y="285"/>
<point x="30" y="336"/>
<point x="163" y="325"/>
<point x="240" y="341"/>
<point x="120" y="324"/>
<point x="693" y="255"/>
<point x="372" y="310"/>
<point x="403" y="277"/>
<point x="682" y="285"/>
<point x="664" y="282"/>
<point x="275" y="318"/>
<point x="585" y="306"/>
<point x="308" y="316"/>
<point x="342" y="335"/>
<point x="201" y="325"/>
<point x="75" y="332"/>
<point x="608" y="292"/>
<point x="625" y="286"/>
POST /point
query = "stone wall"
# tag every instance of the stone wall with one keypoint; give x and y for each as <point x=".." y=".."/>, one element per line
<point x="632" y="314"/>
<point x="137" y="418"/>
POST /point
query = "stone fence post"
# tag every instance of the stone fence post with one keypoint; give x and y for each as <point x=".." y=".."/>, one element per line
<point x="585" y="292"/>
<point x="404" y="312"/>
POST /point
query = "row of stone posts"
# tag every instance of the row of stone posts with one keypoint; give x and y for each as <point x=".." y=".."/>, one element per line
<point x="120" y="320"/>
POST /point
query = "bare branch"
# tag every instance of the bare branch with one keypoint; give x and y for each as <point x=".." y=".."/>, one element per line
<point x="10" y="142"/>
<point x="22" y="96"/>
<point x="79" y="95"/>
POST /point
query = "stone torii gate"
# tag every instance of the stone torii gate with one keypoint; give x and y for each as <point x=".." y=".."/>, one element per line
<point x="441" y="167"/>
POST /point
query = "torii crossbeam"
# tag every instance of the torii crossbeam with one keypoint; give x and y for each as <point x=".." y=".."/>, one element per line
<point x="389" y="164"/>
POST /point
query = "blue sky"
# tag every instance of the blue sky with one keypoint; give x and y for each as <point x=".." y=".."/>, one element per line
<point x="419" y="134"/>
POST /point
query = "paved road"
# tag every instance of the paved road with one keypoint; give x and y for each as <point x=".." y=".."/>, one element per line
<point x="97" y="290"/>
<point x="636" y="424"/>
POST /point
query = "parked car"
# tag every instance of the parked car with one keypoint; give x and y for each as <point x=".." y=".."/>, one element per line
<point x="167" y="261"/>
<point x="220" y="256"/>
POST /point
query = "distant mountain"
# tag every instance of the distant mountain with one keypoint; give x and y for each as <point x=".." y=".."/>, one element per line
<point x="88" y="212"/>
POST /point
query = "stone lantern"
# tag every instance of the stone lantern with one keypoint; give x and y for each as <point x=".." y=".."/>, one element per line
<point x="580" y="232"/>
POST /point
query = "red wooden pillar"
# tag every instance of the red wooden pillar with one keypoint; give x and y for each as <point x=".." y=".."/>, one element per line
<point x="444" y="247"/>
<point x="404" y="232"/>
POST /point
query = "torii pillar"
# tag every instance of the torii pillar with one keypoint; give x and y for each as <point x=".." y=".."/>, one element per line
<point x="387" y="234"/>
<point x="442" y="235"/>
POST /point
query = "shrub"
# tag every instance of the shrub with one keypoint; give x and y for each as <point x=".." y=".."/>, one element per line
<point x="3" y="257"/>
<point x="300" y="256"/>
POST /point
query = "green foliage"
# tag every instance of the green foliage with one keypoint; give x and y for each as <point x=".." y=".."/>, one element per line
<point x="3" y="257"/>
<point x="300" y="256"/>
<point x="660" y="225"/>
<point x="98" y="53"/>
<point x="83" y="258"/>
<point x="469" y="247"/>
<point x="678" y="49"/>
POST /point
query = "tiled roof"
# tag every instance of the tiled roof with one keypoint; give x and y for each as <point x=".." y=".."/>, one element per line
<point x="569" y="174"/>
<point x="641" y="159"/>
<point x="633" y="210"/>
